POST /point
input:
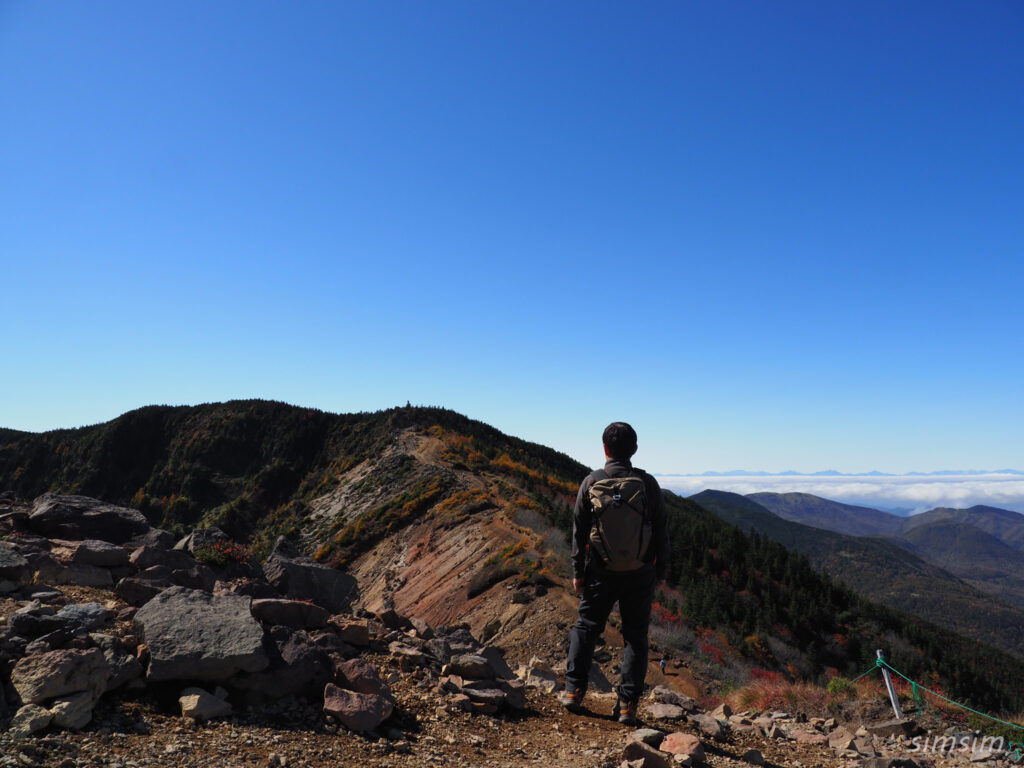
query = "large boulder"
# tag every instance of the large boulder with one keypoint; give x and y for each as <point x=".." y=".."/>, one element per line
<point x="58" y="673"/>
<point x="80" y="517"/>
<point x="356" y="711"/>
<point x="13" y="565"/>
<point x="193" y="635"/>
<point x="296" y="575"/>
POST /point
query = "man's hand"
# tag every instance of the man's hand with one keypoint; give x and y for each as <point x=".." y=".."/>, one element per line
<point x="577" y="586"/>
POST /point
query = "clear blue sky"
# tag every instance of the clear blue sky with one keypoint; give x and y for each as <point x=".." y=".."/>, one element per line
<point x="770" y="235"/>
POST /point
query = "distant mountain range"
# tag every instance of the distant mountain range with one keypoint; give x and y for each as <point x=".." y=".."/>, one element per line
<point x="983" y="546"/>
<point x="836" y="473"/>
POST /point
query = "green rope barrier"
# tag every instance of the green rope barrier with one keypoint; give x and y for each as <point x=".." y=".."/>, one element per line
<point x="940" y="696"/>
<point x="863" y="674"/>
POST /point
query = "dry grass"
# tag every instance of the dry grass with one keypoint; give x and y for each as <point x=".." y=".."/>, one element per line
<point x="767" y="695"/>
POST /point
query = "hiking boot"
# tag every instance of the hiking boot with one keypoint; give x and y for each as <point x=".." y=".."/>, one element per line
<point x="572" y="701"/>
<point x="625" y="712"/>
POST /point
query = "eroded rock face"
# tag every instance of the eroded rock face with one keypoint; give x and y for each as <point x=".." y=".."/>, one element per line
<point x="59" y="673"/>
<point x="295" y="575"/>
<point x="80" y="517"/>
<point x="193" y="635"/>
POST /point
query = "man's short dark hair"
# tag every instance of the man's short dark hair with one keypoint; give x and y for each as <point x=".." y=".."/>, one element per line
<point x="619" y="440"/>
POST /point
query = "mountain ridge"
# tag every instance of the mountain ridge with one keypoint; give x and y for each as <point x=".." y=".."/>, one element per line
<point x="452" y="519"/>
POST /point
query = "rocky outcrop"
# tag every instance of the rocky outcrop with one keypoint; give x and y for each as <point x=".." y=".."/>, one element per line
<point x="193" y="635"/>
<point x="80" y="517"/>
<point x="300" y="577"/>
<point x="478" y="684"/>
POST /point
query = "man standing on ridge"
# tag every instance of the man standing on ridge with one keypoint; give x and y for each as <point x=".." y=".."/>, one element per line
<point x="619" y="554"/>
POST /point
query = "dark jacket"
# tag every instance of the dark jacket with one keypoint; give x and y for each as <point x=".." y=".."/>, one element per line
<point x="582" y="519"/>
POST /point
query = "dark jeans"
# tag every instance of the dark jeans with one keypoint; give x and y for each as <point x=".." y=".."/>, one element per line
<point x="634" y="592"/>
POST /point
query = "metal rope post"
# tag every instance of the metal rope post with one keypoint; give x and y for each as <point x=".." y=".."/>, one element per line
<point x="889" y="686"/>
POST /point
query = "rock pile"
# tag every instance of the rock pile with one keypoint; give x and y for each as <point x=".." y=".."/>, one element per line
<point x="196" y="622"/>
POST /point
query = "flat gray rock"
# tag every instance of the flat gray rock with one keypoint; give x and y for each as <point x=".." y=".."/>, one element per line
<point x="470" y="666"/>
<point x="647" y="736"/>
<point x="84" y="617"/>
<point x="193" y="635"/>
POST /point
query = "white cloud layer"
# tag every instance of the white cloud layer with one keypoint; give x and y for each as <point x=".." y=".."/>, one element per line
<point x="903" y="492"/>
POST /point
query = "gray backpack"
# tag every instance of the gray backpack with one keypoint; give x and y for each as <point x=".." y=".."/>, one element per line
<point x="621" y="530"/>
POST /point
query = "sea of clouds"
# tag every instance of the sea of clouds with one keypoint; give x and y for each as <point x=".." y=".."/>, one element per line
<point x="904" y="494"/>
